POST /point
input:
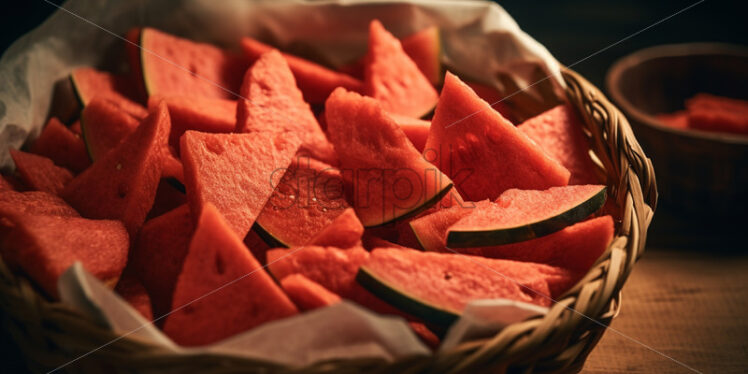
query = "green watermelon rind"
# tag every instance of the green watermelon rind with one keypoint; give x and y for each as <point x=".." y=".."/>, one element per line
<point x="404" y="301"/>
<point x="76" y="91"/>
<point x="84" y="138"/>
<point x="528" y="231"/>
<point x="269" y="239"/>
<point x="419" y="209"/>
<point x="420" y="242"/>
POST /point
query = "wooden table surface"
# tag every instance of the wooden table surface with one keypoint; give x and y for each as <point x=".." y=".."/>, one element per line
<point x="689" y="304"/>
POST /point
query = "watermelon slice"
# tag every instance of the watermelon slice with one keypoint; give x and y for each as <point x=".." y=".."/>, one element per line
<point x="393" y="78"/>
<point x="343" y="232"/>
<point x="417" y="130"/>
<point x="482" y="151"/>
<point x="272" y="102"/>
<point x="575" y="248"/>
<point x="316" y="82"/>
<point x="105" y="125"/>
<point x="424" y="48"/>
<point x="40" y="173"/>
<point x="307" y="294"/>
<point x="204" y="114"/>
<point x="389" y="178"/>
<point x="34" y="203"/>
<point x="45" y="246"/>
<point x="308" y="198"/>
<point x="436" y="286"/>
<point x="677" y="120"/>
<point x="236" y="172"/>
<point x="159" y="252"/>
<point x="176" y="66"/>
<point x="494" y="98"/>
<point x="122" y="184"/>
<point x="715" y="113"/>
<point x="519" y="215"/>
<point x="131" y="289"/>
<point x="431" y="230"/>
<point x="222" y="290"/>
<point x="90" y="83"/>
<point x="62" y="146"/>
<point x="558" y="132"/>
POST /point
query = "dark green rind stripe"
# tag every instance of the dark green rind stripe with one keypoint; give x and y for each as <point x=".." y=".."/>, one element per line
<point x="267" y="237"/>
<point x="403" y="301"/>
<point x="428" y="204"/>
<point x="85" y="139"/>
<point x="509" y="235"/>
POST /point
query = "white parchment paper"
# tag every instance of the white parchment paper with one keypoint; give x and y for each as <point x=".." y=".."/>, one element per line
<point x="481" y="41"/>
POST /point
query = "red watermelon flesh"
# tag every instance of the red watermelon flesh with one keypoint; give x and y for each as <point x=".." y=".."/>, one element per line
<point x="575" y="248"/>
<point x="308" y="198"/>
<point x="431" y="230"/>
<point x="678" y="120"/>
<point x="272" y="102"/>
<point x="131" y="290"/>
<point x="424" y="48"/>
<point x="172" y="166"/>
<point x="6" y="185"/>
<point x="105" y="125"/>
<point x="76" y="128"/>
<point x="388" y="177"/>
<point x="393" y="78"/>
<point x="371" y="242"/>
<point x="62" y="146"/>
<point x="40" y="173"/>
<point x="236" y="172"/>
<point x="417" y="130"/>
<point x="307" y="294"/>
<point x="450" y="281"/>
<point x="206" y="114"/>
<point x="344" y="231"/>
<point x="122" y="184"/>
<point x="90" y="83"/>
<point x="159" y="252"/>
<point x="715" y="113"/>
<point x="316" y="82"/>
<point x="34" y="203"/>
<point x="494" y="98"/>
<point x="558" y="132"/>
<point x="333" y="268"/>
<point x="222" y="290"/>
<point x="45" y="246"/>
<point x="177" y="66"/>
<point x="482" y="151"/>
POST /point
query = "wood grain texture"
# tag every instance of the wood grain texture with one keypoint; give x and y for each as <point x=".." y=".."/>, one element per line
<point x="691" y="306"/>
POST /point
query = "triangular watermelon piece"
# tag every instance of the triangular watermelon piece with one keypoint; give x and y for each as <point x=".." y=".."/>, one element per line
<point x="315" y="81"/>
<point x="222" y="290"/>
<point x="576" y="247"/>
<point x="482" y="151"/>
<point x="45" y="246"/>
<point x="558" y="132"/>
<point x="393" y="78"/>
<point x="417" y="130"/>
<point x="131" y="289"/>
<point x="388" y="177"/>
<point x="122" y="184"/>
<point x="494" y="98"/>
<point x="176" y="66"/>
<point x="158" y="255"/>
<point x="272" y="102"/>
<point x="308" y="198"/>
<point x="105" y="125"/>
<point x="424" y="48"/>
<point x="206" y="114"/>
<point x="306" y="293"/>
<point x="438" y="286"/>
<point x="34" y="203"/>
<point x="62" y="146"/>
<point x="343" y="232"/>
<point x="40" y="173"/>
<point x="431" y="230"/>
<point x="90" y="83"/>
<point x="236" y="172"/>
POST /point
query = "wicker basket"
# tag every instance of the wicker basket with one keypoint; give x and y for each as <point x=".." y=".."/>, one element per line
<point x="51" y="334"/>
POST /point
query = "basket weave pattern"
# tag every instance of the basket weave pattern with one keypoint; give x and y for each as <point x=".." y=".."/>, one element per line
<point x="51" y="334"/>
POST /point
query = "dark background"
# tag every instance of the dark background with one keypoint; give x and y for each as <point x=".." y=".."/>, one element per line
<point x="571" y="30"/>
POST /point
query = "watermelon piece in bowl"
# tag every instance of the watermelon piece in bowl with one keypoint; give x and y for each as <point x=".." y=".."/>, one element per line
<point x="424" y="48"/>
<point x="34" y="203"/>
<point x="90" y="83"/>
<point x="315" y="81"/>
<point x="62" y="146"/>
<point x="431" y="230"/>
<point x="388" y="177"/>
<point x="344" y="231"/>
<point x="104" y="125"/>
<point x="306" y="293"/>
<point x="393" y="78"/>
<point x="206" y="114"/>
<point x="271" y="102"/>
<point x="416" y="129"/>
<point x="519" y="215"/>
<point x="482" y="151"/>
<point x="436" y="287"/>
<point x="40" y="173"/>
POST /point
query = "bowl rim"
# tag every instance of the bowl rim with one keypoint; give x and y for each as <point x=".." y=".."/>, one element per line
<point x="615" y="72"/>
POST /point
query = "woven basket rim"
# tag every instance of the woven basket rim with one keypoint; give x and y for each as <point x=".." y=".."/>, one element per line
<point x="557" y="341"/>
